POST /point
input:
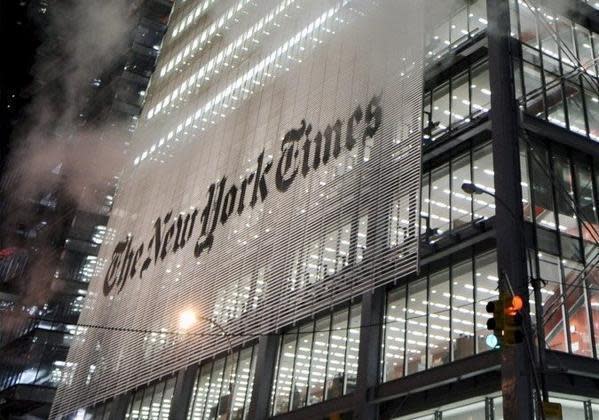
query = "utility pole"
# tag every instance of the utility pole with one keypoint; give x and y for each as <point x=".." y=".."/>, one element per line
<point x="516" y="368"/>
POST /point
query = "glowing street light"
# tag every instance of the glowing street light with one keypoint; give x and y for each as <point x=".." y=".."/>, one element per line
<point x="187" y="319"/>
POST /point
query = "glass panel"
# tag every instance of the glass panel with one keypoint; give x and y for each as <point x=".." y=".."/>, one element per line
<point x="571" y="410"/>
<point x="462" y="307"/>
<point x="250" y="382"/>
<point x="568" y="223"/>
<point x="240" y="387"/>
<point x="592" y="106"/>
<point x="542" y="188"/>
<point x="336" y="359"/>
<point x="528" y="26"/>
<point x="395" y="330"/>
<point x="460" y="100"/>
<point x="575" y="108"/>
<point x="225" y="399"/>
<point x="216" y="380"/>
<point x="477" y="16"/>
<point x="555" y="333"/>
<point x="440" y="114"/>
<point x="533" y="90"/>
<point x="167" y="397"/>
<point x="459" y="27"/>
<point x="285" y="373"/>
<point x="486" y="282"/>
<point x="438" y="326"/>
<point x="146" y="403"/>
<point x="467" y="412"/>
<point x="134" y="413"/>
<point x="157" y="400"/>
<point x="527" y="209"/>
<point x="353" y="346"/>
<point x="361" y="241"/>
<point x="480" y="89"/>
<point x="301" y="371"/>
<point x="483" y="176"/>
<point x="576" y="305"/>
<point x="319" y="361"/>
<point x="202" y="386"/>
<point x="585" y="48"/>
<point x="425" y="203"/>
<point x="461" y="203"/>
<point x="439" y="200"/>
<point x="417" y="327"/>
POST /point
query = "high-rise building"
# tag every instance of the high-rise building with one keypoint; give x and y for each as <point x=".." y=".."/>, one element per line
<point x="322" y="198"/>
<point x="50" y="234"/>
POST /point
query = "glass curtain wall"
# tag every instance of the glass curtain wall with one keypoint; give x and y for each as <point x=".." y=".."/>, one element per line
<point x="439" y="318"/>
<point x="317" y="361"/>
<point x="456" y="102"/>
<point x="557" y="74"/>
<point x="152" y="402"/>
<point x="560" y="201"/>
<point x="466" y="20"/>
<point x="223" y="387"/>
<point x="444" y="205"/>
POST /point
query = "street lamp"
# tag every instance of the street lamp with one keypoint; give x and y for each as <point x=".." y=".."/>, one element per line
<point x="471" y="188"/>
<point x="188" y="319"/>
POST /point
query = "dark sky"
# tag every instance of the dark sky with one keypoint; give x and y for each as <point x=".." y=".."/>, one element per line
<point x="19" y="41"/>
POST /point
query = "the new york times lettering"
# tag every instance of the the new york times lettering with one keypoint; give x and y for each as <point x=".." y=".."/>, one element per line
<point x="303" y="149"/>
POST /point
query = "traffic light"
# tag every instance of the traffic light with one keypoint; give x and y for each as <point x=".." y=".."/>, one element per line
<point x="506" y="322"/>
<point x="496" y="323"/>
<point x="513" y="320"/>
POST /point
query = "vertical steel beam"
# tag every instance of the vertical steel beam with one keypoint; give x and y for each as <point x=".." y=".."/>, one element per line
<point x="183" y="392"/>
<point x="511" y="256"/>
<point x="372" y="316"/>
<point x="263" y="377"/>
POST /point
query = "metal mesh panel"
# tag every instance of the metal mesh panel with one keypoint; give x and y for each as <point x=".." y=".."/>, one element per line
<point x="276" y="159"/>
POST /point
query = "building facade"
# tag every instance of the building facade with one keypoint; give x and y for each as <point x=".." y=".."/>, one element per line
<point x="293" y="240"/>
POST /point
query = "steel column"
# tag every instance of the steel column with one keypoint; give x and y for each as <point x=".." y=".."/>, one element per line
<point x="183" y="392"/>
<point x="511" y="256"/>
<point x="263" y="377"/>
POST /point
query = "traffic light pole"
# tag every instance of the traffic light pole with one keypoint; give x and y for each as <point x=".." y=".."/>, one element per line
<point x="511" y="256"/>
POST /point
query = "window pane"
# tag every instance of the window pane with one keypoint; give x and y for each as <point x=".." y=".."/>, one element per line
<point x="440" y="114"/>
<point x="576" y="306"/>
<point x="336" y="359"/>
<point x="462" y="307"/>
<point x="302" y="366"/>
<point x="527" y="208"/>
<point x="216" y="380"/>
<point x="459" y="27"/>
<point x="395" y="329"/>
<point x="542" y="188"/>
<point x="568" y="223"/>
<point x="460" y="100"/>
<point x="575" y="108"/>
<point x="555" y="333"/>
<point x="592" y="106"/>
<point x="167" y="397"/>
<point x="438" y="325"/>
<point x="480" y="89"/>
<point x="285" y="373"/>
<point x="477" y="16"/>
<point x="528" y="26"/>
<point x="482" y="169"/>
<point x="319" y="361"/>
<point x="585" y="48"/>
<point x="157" y="400"/>
<point x="201" y="389"/>
<point x="533" y="90"/>
<point x="241" y="385"/>
<point x="439" y="217"/>
<point x="461" y="212"/>
<point x="416" y="326"/>
<point x="353" y="346"/>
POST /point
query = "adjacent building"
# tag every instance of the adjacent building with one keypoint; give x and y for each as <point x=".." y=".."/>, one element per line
<point x="50" y="239"/>
<point x="323" y="197"/>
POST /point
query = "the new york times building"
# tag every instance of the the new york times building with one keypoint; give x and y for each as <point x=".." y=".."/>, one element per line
<point x="291" y="239"/>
